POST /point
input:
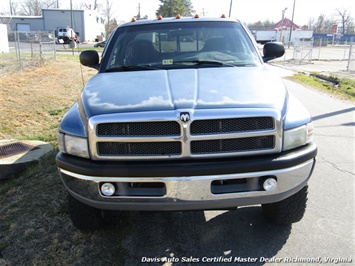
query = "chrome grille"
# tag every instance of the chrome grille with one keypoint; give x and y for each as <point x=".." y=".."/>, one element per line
<point x="138" y="148"/>
<point x="208" y="133"/>
<point x="232" y="125"/>
<point x="232" y="145"/>
<point x="126" y="129"/>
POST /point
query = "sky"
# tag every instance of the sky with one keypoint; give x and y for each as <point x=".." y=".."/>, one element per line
<point x="248" y="11"/>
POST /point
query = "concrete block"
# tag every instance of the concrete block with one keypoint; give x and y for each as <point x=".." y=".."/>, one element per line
<point x="12" y="164"/>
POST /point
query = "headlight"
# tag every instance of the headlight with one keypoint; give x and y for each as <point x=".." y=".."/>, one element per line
<point x="298" y="136"/>
<point x="73" y="145"/>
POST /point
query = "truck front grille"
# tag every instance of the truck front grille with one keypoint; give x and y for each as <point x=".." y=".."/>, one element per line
<point x="148" y="137"/>
<point x="232" y="145"/>
<point x="138" y="148"/>
<point x="232" y="125"/>
<point x="127" y="129"/>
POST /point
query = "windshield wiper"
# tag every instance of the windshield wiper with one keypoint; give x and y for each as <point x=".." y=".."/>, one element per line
<point x="245" y="65"/>
<point x="212" y="62"/>
<point x="133" y="67"/>
<point x="202" y="62"/>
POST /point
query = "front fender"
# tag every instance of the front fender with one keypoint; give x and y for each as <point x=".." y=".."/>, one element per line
<point x="72" y="123"/>
<point x="296" y="114"/>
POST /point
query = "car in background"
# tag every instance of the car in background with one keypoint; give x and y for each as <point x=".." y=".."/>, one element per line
<point x="100" y="44"/>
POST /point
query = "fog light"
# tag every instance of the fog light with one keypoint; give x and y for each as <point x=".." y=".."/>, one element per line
<point x="108" y="189"/>
<point x="270" y="184"/>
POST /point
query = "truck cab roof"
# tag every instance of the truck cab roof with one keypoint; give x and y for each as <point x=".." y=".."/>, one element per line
<point x="176" y="19"/>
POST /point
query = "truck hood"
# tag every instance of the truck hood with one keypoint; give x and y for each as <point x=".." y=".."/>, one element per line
<point x="203" y="88"/>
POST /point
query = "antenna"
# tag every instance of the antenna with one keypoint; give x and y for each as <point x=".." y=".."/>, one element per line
<point x="82" y="74"/>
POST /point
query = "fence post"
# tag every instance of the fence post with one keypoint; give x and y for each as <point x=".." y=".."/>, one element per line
<point x="320" y="45"/>
<point x="40" y="47"/>
<point x="350" y="53"/>
<point x="17" y="48"/>
<point x="54" y="46"/>
<point x="31" y="45"/>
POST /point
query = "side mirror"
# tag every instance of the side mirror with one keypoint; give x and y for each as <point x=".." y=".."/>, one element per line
<point x="273" y="50"/>
<point x="90" y="58"/>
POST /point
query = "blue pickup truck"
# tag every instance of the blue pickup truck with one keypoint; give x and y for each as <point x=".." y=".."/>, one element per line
<point x="183" y="114"/>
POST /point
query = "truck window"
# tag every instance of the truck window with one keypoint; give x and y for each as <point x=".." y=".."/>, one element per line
<point x="169" y="42"/>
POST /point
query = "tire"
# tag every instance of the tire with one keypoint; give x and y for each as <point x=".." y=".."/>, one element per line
<point x="289" y="210"/>
<point x="84" y="217"/>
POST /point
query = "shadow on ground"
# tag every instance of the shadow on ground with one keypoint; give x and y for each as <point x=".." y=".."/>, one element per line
<point x="190" y="239"/>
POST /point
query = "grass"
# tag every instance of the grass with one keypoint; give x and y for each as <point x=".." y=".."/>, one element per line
<point x="345" y="88"/>
<point x="34" y="100"/>
<point x="35" y="228"/>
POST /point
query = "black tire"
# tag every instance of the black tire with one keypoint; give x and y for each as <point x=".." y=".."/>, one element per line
<point x="84" y="217"/>
<point x="289" y="210"/>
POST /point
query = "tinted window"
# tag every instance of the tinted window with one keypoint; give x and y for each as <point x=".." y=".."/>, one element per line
<point x="165" y="44"/>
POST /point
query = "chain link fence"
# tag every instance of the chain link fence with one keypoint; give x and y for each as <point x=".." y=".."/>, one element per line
<point x="302" y="51"/>
<point x="324" y="50"/>
<point x="351" y="59"/>
<point x="306" y="51"/>
<point x="28" y="49"/>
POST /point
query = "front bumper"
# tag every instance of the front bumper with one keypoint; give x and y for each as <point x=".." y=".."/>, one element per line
<point x="187" y="185"/>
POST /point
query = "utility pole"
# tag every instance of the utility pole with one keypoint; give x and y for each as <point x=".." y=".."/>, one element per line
<point x="139" y="11"/>
<point x="282" y="24"/>
<point x="71" y="42"/>
<point x="71" y="14"/>
<point x="230" y="8"/>
<point x="293" y="14"/>
<point x="203" y="12"/>
<point x="11" y="8"/>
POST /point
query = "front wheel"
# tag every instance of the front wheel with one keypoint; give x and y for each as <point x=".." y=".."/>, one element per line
<point x="84" y="217"/>
<point x="289" y="210"/>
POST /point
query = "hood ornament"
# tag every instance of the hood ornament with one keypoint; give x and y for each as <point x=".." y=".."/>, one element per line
<point x="185" y="116"/>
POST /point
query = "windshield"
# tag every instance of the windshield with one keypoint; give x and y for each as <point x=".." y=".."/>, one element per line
<point x="178" y="45"/>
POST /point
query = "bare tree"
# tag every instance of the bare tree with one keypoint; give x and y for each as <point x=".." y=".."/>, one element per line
<point x="261" y="25"/>
<point x="31" y="8"/>
<point x="319" y="26"/>
<point x="49" y="4"/>
<point x="345" y="19"/>
<point x="107" y="12"/>
<point x="350" y="29"/>
<point x="34" y="7"/>
<point x="13" y="8"/>
<point x="311" y="23"/>
<point x="91" y="5"/>
<point x="323" y="24"/>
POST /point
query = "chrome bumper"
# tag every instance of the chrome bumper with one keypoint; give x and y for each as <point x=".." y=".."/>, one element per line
<point x="190" y="192"/>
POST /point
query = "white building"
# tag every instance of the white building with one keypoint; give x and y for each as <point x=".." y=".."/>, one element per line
<point x="88" y="23"/>
<point x="4" y="44"/>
